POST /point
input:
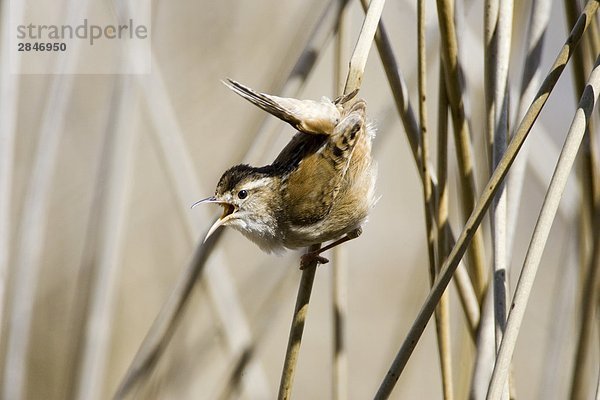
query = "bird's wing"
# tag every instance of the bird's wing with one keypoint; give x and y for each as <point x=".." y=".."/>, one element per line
<point x="308" y="116"/>
<point x="312" y="188"/>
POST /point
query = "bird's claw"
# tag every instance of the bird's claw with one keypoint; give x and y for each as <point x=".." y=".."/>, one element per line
<point x="310" y="258"/>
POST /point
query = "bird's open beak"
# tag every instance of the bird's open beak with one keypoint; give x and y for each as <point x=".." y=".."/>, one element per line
<point x="228" y="210"/>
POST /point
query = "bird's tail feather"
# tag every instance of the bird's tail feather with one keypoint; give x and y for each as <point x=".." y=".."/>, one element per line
<point x="263" y="101"/>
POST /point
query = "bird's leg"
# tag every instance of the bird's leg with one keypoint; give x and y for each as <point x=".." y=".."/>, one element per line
<point x="307" y="258"/>
<point x="349" y="236"/>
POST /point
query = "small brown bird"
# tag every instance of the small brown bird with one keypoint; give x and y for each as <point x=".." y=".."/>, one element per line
<point x="320" y="187"/>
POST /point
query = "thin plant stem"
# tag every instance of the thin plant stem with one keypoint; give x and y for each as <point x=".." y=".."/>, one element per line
<point x="341" y="39"/>
<point x="594" y="37"/>
<point x="588" y="181"/>
<point x="443" y="243"/>
<point x="485" y="354"/>
<point x="590" y="184"/>
<point x="297" y="328"/>
<point x="363" y="46"/>
<point x="443" y="332"/>
<point x="422" y="89"/>
<point x="455" y="89"/>
<point x="340" y="312"/>
<point x="339" y="279"/>
<point x="498" y="26"/>
<point x="572" y="10"/>
<point x="542" y="230"/>
<point x="590" y="212"/>
<point x="483" y="203"/>
<point x="442" y="311"/>
<point x="597" y="396"/>
<point x="465" y="290"/>
<point x="586" y="319"/>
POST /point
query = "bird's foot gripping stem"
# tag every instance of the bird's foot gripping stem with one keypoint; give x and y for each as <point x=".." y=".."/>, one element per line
<point x="313" y="256"/>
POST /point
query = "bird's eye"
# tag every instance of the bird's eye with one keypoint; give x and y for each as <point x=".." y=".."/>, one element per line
<point x="242" y="194"/>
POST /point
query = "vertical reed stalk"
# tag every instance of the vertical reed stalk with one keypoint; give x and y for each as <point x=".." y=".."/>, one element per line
<point x="498" y="26"/>
<point x="589" y="210"/>
<point x="464" y="287"/>
<point x="339" y="279"/>
<point x="297" y="328"/>
<point x="442" y="311"/>
<point x="340" y="312"/>
<point x="462" y="138"/>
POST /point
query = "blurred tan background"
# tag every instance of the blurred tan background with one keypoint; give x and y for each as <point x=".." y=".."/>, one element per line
<point x="117" y="196"/>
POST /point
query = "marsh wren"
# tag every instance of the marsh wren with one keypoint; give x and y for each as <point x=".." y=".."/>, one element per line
<point x="321" y="186"/>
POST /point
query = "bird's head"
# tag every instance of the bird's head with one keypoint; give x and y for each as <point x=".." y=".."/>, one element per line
<point x="250" y="200"/>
